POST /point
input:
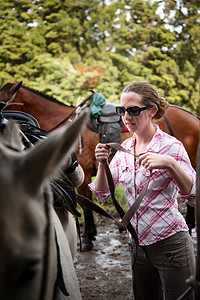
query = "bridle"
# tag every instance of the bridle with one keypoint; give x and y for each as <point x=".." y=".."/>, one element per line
<point x="10" y="101"/>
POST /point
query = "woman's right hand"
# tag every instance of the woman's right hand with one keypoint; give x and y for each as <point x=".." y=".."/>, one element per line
<point x="102" y="152"/>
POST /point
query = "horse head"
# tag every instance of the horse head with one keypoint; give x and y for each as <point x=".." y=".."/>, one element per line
<point x="24" y="195"/>
<point x="9" y="92"/>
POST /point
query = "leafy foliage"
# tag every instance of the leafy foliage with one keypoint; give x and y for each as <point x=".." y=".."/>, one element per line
<point x="64" y="47"/>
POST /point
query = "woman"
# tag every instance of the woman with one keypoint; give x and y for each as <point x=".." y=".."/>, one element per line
<point x="165" y="258"/>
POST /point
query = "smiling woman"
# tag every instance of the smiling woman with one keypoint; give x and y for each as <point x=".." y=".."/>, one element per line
<point x="160" y="227"/>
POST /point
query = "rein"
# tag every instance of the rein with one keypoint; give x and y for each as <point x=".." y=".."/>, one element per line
<point x="126" y="217"/>
<point x="73" y="111"/>
<point x="124" y="224"/>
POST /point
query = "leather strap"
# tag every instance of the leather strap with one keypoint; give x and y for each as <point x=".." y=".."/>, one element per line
<point x="87" y="203"/>
<point x="118" y="206"/>
<point x="60" y="279"/>
<point x="125" y="217"/>
<point x="73" y="111"/>
<point x="168" y="126"/>
<point x="132" y="210"/>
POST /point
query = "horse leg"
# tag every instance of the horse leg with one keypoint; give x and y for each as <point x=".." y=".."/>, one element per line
<point x="190" y="218"/>
<point x="90" y="229"/>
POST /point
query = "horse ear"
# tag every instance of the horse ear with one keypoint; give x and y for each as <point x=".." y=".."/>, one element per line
<point x="15" y="87"/>
<point x="45" y="158"/>
<point x="12" y="137"/>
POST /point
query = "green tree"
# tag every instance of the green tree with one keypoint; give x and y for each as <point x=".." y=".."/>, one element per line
<point x="20" y="41"/>
<point x="184" y="17"/>
<point x="64" y="48"/>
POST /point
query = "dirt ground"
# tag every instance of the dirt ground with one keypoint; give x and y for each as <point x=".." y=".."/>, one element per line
<point x="104" y="272"/>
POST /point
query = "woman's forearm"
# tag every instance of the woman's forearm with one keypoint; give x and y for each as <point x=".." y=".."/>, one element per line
<point x="155" y="161"/>
<point x="183" y="180"/>
<point x="101" y="180"/>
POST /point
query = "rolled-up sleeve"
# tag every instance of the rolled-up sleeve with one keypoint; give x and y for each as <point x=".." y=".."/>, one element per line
<point x="104" y="195"/>
<point x="189" y="198"/>
<point x="181" y="156"/>
<point x="100" y="195"/>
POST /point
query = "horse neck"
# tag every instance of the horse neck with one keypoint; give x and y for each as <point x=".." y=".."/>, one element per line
<point x="47" y="112"/>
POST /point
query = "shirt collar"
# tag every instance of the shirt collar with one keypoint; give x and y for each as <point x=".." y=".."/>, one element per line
<point x="154" y="145"/>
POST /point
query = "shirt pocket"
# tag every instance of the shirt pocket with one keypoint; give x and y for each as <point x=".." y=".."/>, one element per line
<point x="142" y="178"/>
<point x="142" y="170"/>
<point x="160" y="179"/>
<point x="126" y="176"/>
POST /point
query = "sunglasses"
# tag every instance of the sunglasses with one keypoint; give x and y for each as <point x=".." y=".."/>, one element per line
<point x="131" y="110"/>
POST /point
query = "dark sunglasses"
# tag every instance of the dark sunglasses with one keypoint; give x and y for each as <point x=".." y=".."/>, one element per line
<point x="131" y="110"/>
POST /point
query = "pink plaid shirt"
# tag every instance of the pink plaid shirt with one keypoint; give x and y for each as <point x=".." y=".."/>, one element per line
<point x="158" y="216"/>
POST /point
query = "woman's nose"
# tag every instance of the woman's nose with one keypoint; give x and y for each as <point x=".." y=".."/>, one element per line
<point x="126" y="115"/>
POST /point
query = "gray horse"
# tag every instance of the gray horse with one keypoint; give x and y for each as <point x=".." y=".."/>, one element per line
<point x="35" y="258"/>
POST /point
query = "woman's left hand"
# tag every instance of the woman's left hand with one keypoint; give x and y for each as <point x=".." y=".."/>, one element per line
<point x="152" y="161"/>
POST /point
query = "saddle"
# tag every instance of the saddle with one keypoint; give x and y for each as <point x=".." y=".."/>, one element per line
<point x="64" y="195"/>
<point x="107" y="124"/>
<point x="30" y="128"/>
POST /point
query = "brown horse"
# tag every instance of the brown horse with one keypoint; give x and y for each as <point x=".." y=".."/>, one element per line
<point x="49" y="112"/>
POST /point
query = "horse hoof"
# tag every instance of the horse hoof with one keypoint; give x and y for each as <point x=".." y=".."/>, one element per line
<point x="86" y="245"/>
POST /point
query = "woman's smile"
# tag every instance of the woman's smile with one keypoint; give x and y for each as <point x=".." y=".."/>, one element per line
<point x="130" y="124"/>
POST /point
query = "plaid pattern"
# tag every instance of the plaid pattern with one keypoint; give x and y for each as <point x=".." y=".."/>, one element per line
<point x="158" y="216"/>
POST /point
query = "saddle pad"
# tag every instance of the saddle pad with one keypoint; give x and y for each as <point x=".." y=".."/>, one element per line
<point x="66" y="264"/>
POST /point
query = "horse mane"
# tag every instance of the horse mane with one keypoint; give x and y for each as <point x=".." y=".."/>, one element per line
<point x="48" y="97"/>
<point x="7" y="87"/>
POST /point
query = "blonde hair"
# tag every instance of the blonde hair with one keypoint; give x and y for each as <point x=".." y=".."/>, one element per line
<point x="149" y="96"/>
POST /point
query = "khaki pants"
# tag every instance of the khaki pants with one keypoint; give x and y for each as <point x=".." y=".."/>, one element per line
<point x="161" y="269"/>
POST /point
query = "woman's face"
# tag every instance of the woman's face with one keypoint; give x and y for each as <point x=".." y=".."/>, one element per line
<point x="138" y="123"/>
